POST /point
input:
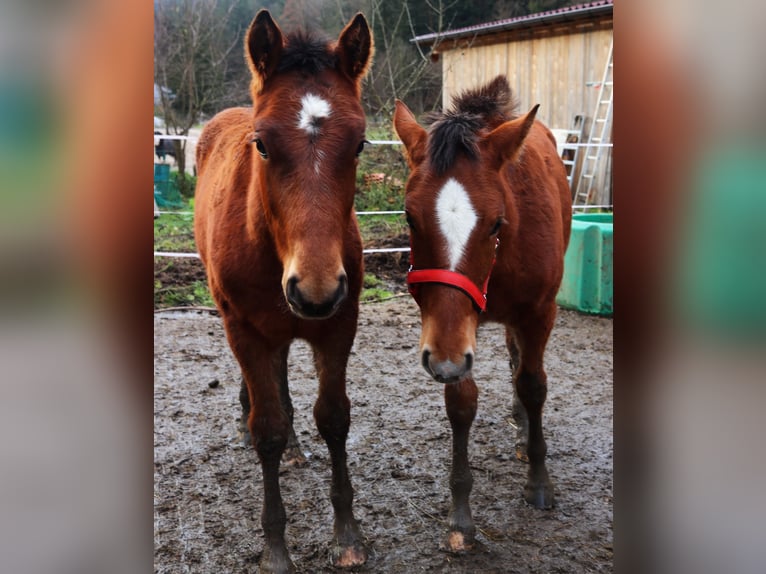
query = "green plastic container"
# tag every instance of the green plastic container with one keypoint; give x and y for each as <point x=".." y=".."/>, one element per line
<point x="587" y="285"/>
<point x="166" y="193"/>
<point x="719" y="274"/>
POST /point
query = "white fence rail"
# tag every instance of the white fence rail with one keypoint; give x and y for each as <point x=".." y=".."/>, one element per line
<point x="358" y="213"/>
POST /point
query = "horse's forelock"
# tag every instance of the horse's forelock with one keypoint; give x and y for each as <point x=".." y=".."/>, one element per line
<point x="307" y="51"/>
<point x="495" y="102"/>
<point x="450" y="135"/>
<point x="472" y="111"/>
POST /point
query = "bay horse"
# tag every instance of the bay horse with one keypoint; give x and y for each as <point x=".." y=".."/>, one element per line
<point x="276" y="230"/>
<point x="489" y="211"/>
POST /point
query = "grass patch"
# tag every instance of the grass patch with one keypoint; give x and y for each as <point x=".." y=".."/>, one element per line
<point x="373" y="290"/>
<point x="381" y="173"/>
<point x="175" y="232"/>
<point x="185" y="184"/>
<point x="383" y="196"/>
<point x="195" y="294"/>
<point x="378" y="227"/>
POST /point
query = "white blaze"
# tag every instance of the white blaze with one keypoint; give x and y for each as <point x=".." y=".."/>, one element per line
<point x="313" y="108"/>
<point x="456" y="218"/>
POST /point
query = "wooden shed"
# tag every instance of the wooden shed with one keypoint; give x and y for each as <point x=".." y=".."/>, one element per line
<point x="559" y="59"/>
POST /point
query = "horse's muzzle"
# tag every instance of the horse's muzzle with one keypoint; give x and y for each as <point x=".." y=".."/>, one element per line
<point x="306" y="308"/>
<point x="446" y="371"/>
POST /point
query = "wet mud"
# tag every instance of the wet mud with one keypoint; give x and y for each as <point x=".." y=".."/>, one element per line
<point x="207" y="485"/>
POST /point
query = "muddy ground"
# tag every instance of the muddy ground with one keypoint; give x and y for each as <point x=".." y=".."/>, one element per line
<point x="207" y="486"/>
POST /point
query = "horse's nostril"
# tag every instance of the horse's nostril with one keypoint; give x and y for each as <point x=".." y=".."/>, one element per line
<point x="446" y="371"/>
<point x="468" y="361"/>
<point x="425" y="358"/>
<point x="310" y="308"/>
<point x="292" y="291"/>
<point x="342" y="286"/>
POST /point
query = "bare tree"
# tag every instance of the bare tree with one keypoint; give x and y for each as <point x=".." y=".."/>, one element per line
<point x="192" y="44"/>
<point x="301" y="14"/>
<point x="402" y="69"/>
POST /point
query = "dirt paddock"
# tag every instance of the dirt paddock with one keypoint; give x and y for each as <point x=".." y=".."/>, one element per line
<point x="207" y="488"/>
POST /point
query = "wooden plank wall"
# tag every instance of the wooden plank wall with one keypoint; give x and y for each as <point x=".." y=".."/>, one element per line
<point x="551" y="71"/>
<point x="549" y="67"/>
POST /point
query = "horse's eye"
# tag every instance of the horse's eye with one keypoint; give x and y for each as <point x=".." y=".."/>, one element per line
<point x="496" y="227"/>
<point x="360" y="149"/>
<point x="261" y="148"/>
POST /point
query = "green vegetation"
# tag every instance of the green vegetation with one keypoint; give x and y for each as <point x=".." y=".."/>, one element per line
<point x="381" y="173"/>
<point x="374" y="290"/>
<point x="380" y="227"/>
<point x="178" y="282"/>
<point x="379" y="197"/>
<point x="185" y="183"/>
<point x="175" y="232"/>
<point x="177" y="293"/>
<point x="194" y="295"/>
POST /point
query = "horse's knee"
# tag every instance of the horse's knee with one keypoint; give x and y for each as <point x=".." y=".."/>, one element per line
<point x="270" y="447"/>
<point x="532" y="389"/>
<point x="333" y="418"/>
<point x="269" y="435"/>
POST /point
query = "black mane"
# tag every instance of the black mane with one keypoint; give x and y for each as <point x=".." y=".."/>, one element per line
<point x="473" y="112"/>
<point x="307" y="52"/>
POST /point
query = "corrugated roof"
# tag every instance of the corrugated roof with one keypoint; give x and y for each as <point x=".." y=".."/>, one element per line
<point x="549" y="16"/>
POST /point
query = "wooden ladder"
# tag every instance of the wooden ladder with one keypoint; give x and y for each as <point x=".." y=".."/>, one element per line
<point x="599" y="135"/>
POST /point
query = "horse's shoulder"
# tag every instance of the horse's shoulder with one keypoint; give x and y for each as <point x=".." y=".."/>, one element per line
<point x="539" y="164"/>
<point x="538" y="175"/>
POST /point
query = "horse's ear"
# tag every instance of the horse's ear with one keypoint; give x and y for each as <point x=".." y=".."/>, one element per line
<point x="413" y="136"/>
<point x="505" y="142"/>
<point x="263" y="48"/>
<point x="355" y="48"/>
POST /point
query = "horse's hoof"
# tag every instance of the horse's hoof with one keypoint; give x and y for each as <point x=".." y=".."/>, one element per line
<point x="349" y="556"/>
<point x="275" y="562"/>
<point x="457" y="542"/>
<point x="540" y="495"/>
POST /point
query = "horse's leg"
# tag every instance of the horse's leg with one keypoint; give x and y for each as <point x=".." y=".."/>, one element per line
<point x="461" y="400"/>
<point x="293" y="454"/>
<point x="518" y="411"/>
<point x="244" y="400"/>
<point x="530" y="383"/>
<point x="269" y="427"/>
<point x="513" y="348"/>
<point x="332" y="413"/>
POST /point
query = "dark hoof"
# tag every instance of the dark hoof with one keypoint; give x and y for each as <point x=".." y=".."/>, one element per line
<point x="348" y="556"/>
<point x="347" y="549"/>
<point x="540" y="495"/>
<point x="275" y="562"/>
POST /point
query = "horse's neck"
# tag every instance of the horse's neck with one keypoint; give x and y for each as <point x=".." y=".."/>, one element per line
<point x="257" y="224"/>
<point x="513" y="201"/>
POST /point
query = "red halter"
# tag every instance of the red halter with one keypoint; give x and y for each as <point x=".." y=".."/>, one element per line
<point x="452" y="279"/>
